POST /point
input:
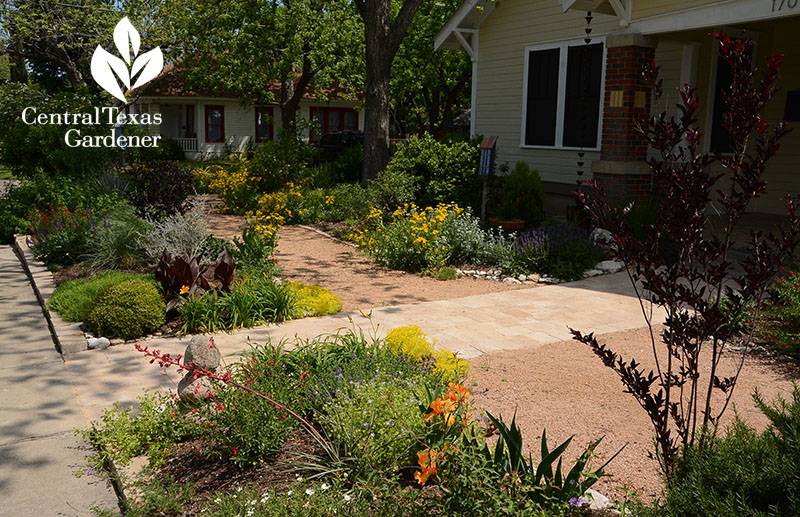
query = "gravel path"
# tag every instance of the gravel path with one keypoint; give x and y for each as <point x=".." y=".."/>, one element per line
<point x="565" y="389"/>
<point x="313" y="258"/>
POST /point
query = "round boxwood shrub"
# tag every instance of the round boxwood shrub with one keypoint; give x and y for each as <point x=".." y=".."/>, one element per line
<point x="127" y="310"/>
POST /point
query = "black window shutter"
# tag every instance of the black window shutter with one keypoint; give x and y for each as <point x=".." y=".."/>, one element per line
<point x="542" y="100"/>
<point x="720" y="140"/>
<point x="582" y="102"/>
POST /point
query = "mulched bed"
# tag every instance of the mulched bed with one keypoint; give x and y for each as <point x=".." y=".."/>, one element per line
<point x="190" y="466"/>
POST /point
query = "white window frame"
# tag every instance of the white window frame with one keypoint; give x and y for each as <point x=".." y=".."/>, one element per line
<point x="563" y="47"/>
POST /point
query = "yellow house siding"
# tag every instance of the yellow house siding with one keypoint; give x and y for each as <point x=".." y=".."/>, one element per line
<point x="783" y="173"/>
<point x="512" y="26"/>
<point x="646" y="8"/>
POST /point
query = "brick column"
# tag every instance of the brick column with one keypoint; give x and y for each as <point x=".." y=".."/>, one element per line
<point x="621" y="170"/>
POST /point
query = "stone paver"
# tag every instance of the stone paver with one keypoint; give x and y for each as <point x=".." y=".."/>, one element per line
<point x="470" y="326"/>
<point x="39" y="411"/>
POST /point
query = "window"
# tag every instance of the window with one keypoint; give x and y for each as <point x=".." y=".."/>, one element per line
<point x="563" y="95"/>
<point x="720" y="141"/>
<point x="334" y="119"/>
<point x="264" y="129"/>
<point x="215" y="124"/>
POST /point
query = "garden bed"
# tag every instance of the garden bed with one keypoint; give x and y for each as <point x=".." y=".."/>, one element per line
<point x="309" y="257"/>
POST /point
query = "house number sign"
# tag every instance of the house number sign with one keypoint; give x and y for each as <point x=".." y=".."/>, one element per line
<point x="783" y="5"/>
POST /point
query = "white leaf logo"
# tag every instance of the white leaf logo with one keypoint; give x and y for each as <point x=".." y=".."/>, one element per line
<point x="109" y="71"/>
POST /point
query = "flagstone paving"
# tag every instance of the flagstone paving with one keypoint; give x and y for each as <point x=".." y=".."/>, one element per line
<point x="39" y="411"/>
<point x="471" y="326"/>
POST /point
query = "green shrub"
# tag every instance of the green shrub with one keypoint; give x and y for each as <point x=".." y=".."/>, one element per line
<point x="445" y="273"/>
<point x="779" y="324"/>
<point x="376" y="425"/>
<point x="277" y="162"/>
<point x="348" y="165"/>
<point x="522" y="196"/>
<point x="346" y="201"/>
<point x="156" y="424"/>
<point x="158" y="187"/>
<point x="392" y="188"/>
<point x="447" y="172"/>
<point x="744" y="472"/>
<point x="254" y="300"/>
<point x="127" y="310"/>
<point x="31" y="149"/>
<point x="313" y="300"/>
<point x="73" y="299"/>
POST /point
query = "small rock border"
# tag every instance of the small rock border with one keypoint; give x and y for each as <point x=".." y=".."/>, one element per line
<point x="605" y="267"/>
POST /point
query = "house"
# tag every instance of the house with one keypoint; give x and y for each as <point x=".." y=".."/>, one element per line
<point x="208" y="123"/>
<point x="568" y="107"/>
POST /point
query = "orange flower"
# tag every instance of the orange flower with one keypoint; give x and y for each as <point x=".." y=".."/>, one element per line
<point x="458" y="392"/>
<point x="442" y="406"/>
<point x="184" y="289"/>
<point x="427" y="465"/>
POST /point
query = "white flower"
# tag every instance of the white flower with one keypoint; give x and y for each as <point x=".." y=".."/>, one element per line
<point x="217" y="500"/>
<point x="324" y="486"/>
<point x="309" y="491"/>
<point x="239" y="489"/>
<point x="347" y="497"/>
<point x="250" y="513"/>
<point x="290" y="492"/>
<point x="265" y="497"/>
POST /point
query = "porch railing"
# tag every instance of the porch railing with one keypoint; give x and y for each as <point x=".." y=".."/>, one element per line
<point x="189" y="145"/>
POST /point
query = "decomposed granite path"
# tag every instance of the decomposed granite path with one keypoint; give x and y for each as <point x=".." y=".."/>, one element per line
<point x="471" y="326"/>
<point x="39" y="411"/>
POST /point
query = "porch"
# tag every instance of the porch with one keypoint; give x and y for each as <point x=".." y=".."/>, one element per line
<point x="178" y="123"/>
<point x="690" y="56"/>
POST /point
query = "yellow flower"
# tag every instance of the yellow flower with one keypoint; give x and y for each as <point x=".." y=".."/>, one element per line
<point x="420" y="240"/>
<point x="184" y="289"/>
<point x="329" y="200"/>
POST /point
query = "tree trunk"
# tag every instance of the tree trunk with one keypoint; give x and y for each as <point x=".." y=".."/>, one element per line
<point x="292" y="93"/>
<point x="382" y="38"/>
<point x="376" y="120"/>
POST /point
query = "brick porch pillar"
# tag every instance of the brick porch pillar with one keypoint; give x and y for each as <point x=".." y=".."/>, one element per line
<point x="621" y="170"/>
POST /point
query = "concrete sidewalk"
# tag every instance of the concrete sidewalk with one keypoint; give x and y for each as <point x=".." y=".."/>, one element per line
<point x="471" y="326"/>
<point x="39" y="411"/>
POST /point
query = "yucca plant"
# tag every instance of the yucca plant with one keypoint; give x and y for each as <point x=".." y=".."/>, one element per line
<point x="544" y="481"/>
